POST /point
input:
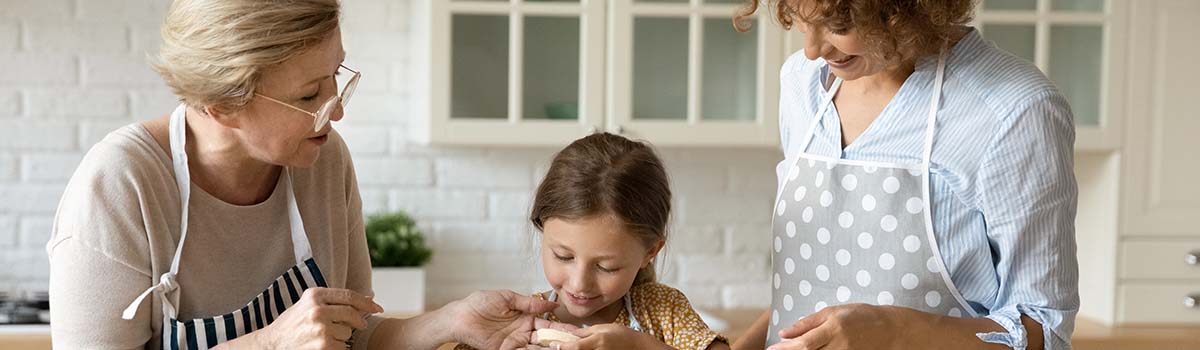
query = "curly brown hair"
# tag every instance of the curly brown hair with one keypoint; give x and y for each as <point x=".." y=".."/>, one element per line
<point x="895" y="30"/>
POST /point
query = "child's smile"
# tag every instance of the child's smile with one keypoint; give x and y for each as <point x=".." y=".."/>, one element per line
<point x="591" y="263"/>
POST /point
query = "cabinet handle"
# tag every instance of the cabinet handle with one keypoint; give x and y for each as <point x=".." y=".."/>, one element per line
<point x="1193" y="258"/>
<point x="1192" y="300"/>
<point x="619" y="130"/>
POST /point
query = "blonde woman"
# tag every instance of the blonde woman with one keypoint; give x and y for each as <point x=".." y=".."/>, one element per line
<point x="235" y="221"/>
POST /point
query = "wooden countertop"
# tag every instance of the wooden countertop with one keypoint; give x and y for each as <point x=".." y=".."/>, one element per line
<point x="1093" y="335"/>
<point x="1089" y="335"/>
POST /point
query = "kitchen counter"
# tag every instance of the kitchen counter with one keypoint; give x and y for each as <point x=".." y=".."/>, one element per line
<point x="1089" y="335"/>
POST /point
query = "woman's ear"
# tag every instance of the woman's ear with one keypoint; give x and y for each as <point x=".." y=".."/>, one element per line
<point x="222" y="117"/>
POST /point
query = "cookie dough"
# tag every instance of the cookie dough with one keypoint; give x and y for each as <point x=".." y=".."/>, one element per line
<point x="546" y="335"/>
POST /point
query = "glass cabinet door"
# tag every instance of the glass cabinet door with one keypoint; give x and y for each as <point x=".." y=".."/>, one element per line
<point x="479" y="66"/>
<point x="522" y="72"/>
<point x="679" y="69"/>
<point x="551" y="68"/>
<point x="545" y="72"/>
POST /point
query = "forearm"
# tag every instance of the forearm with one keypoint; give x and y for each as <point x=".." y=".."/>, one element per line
<point x="248" y="341"/>
<point x="754" y="338"/>
<point x="945" y="332"/>
<point x="426" y="331"/>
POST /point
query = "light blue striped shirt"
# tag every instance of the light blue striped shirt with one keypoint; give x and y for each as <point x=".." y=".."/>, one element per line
<point x="1003" y="183"/>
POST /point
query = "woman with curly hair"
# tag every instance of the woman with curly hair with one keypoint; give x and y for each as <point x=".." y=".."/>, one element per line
<point x="927" y="196"/>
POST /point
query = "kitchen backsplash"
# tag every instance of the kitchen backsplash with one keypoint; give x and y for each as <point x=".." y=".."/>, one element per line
<point x="76" y="70"/>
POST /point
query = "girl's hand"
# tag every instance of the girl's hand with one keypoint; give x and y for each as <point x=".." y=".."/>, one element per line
<point x="323" y="319"/>
<point x="854" y="326"/>
<point x="610" y="336"/>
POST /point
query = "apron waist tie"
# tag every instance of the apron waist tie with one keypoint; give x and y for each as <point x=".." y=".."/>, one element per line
<point x="166" y="284"/>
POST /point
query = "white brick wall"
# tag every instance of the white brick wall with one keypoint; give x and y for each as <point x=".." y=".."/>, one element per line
<point x="10" y="35"/>
<point x="38" y="9"/>
<point x="8" y="231"/>
<point x="80" y="73"/>
<point x="10" y="104"/>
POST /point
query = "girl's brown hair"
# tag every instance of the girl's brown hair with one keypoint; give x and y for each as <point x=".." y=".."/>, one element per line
<point x="895" y="30"/>
<point x="606" y="174"/>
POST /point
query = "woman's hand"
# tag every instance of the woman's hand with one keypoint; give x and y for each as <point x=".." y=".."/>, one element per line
<point x="500" y="319"/>
<point x="851" y="326"/>
<point x="609" y="336"/>
<point x="323" y="319"/>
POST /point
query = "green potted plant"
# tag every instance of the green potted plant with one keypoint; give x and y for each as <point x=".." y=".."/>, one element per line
<point x="398" y="252"/>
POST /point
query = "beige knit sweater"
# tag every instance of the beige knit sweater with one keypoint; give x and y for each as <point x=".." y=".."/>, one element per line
<point x="118" y="225"/>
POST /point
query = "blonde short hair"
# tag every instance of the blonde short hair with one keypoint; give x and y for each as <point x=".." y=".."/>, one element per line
<point x="214" y="51"/>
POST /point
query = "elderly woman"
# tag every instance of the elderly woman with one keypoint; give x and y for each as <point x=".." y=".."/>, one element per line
<point x="235" y="222"/>
<point x="927" y="198"/>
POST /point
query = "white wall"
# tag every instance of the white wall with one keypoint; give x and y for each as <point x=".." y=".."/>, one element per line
<point x="74" y="70"/>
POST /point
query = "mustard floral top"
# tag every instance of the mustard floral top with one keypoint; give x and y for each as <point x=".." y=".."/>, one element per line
<point x="664" y="313"/>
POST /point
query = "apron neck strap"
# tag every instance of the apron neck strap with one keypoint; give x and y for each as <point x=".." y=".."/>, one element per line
<point x="301" y="250"/>
<point x="825" y="103"/>
<point x="931" y="121"/>
<point x="179" y="161"/>
<point x="183" y="178"/>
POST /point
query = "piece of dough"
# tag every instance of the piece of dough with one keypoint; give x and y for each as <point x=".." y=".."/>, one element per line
<point x="546" y="335"/>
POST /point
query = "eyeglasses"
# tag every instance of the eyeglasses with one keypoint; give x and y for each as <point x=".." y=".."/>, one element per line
<point x="322" y="116"/>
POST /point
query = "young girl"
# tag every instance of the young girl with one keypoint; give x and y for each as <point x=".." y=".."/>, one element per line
<point x="603" y="210"/>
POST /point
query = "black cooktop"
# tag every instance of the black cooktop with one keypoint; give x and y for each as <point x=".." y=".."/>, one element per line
<point x="25" y="308"/>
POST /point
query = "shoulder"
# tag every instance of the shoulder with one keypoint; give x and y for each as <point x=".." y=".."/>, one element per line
<point x="127" y="159"/>
<point x="122" y="178"/>
<point x="130" y="145"/>
<point x="1000" y="82"/>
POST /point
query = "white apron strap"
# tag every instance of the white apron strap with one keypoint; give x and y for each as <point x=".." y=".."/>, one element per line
<point x="166" y="283"/>
<point x="301" y="249"/>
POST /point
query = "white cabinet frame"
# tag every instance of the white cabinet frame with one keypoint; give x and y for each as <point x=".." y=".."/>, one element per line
<point x="604" y="84"/>
<point x="762" y="131"/>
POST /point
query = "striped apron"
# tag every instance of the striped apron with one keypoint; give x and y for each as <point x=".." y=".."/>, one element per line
<point x="205" y="333"/>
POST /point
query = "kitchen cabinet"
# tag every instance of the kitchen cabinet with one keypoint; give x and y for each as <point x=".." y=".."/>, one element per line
<point x="1140" y="203"/>
<point x="674" y="72"/>
<point x="526" y="72"/>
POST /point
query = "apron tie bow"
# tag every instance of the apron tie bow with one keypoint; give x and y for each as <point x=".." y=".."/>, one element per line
<point x="166" y="284"/>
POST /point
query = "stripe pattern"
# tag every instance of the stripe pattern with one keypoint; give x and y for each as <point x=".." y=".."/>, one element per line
<point x="206" y="333"/>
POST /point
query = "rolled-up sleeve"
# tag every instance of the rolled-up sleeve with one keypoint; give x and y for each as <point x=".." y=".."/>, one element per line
<point x="1028" y="199"/>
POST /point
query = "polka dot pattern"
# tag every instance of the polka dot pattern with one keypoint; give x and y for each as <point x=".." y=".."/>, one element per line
<point x="855" y="234"/>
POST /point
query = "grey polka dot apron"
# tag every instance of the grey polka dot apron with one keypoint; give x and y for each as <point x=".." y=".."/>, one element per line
<point x="857" y="232"/>
<point x="205" y="333"/>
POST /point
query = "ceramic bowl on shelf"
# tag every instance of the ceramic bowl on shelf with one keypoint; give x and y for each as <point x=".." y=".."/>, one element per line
<point x="562" y="110"/>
